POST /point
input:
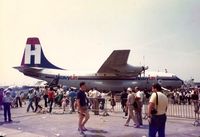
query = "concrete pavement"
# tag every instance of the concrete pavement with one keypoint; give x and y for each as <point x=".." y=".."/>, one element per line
<point x="65" y="125"/>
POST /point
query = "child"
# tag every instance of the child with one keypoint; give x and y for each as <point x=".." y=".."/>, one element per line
<point x="64" y="102"/>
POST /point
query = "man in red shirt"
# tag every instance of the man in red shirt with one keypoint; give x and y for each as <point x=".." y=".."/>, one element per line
<point x="51" y="96"/>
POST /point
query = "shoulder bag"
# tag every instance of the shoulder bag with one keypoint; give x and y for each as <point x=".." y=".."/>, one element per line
<point x="154" y="110"/>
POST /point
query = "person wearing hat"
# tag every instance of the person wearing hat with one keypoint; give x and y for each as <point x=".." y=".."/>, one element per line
<point x="7" y="100"/>
<point x="131" y="111"/>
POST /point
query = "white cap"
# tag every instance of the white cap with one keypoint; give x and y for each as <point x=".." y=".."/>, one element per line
<point x="8" y="92"/>
<point x="129" y="89"/>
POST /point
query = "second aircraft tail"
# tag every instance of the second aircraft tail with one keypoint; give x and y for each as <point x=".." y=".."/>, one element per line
<point x="118" y="58"/>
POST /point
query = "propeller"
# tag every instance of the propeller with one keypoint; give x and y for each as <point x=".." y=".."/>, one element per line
<point x="144" y="67"/>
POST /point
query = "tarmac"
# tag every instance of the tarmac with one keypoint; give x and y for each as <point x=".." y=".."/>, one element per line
<point x="59" y="124"/>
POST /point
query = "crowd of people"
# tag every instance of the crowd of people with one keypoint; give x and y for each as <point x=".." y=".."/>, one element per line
<point x="182" y="96"/>
<point x="133" y="102"/>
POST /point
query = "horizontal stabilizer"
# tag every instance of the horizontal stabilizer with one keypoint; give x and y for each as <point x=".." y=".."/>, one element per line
<point x="28" y="69"/>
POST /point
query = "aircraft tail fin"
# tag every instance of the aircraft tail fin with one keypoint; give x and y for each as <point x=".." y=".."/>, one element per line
<point x="34" y="57"/>
<point x="117" y="58"/>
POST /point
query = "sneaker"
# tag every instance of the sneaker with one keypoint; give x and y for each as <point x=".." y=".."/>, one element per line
<point x="126" y="125"/>
<point x="81" y="132"/>
<point x="84" y="129"/>
<point x="79" y="129"/>
<point x="124" y="117"/>
<point x="10" y="121"/>
<point x="136" y="126"/>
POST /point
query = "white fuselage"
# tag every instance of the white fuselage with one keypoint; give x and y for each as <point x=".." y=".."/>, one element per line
<point x="108" y="81"/>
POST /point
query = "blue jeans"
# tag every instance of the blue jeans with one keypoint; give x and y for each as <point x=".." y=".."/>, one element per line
<point x="157" y="124"/>
<point x="7" y="111"/>
<point x="30" y="105"/>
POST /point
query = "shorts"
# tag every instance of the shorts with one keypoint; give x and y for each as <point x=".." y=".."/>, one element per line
<point x="84" y="110"/>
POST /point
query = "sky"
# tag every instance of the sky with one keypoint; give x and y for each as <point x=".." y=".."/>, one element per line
<point x="81" y="34"/>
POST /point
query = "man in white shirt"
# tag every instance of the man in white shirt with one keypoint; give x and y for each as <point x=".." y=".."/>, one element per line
<point x="140" y="98"/>
<point x="96" y="95"/>
<point x="157" y="120"/>
<point x="7" y="100"/>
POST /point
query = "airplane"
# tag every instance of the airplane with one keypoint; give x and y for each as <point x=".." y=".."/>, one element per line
<point x="114" y="75"/>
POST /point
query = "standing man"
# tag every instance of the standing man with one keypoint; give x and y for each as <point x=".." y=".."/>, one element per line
<point x="18" y="99"/>
<point x="7" y="100"/>
<point x="157" y="120"/>
<point x="45" y="96"/>
<point x="31" y="97"/>
<point x="37" y="93"/>
<point x="51" y="98"/>
<point x="123" y="97"/>
<point x="82" y="108"/>
<point x="140" y="98"/>
<point x="195" y="99"/>
<point x="72" y="98"/>
<point x="131" y="112"/>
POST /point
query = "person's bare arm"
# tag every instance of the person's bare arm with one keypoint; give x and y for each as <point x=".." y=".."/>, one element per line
<point x="78" y="105"/>
<point x="150" y="107"/>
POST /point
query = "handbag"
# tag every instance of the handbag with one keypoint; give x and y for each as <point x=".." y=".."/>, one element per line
<point x="154" y="110"/>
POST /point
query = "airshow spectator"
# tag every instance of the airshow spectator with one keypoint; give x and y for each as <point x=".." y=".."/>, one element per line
<point x="7" y="100"/>
<point x="123" y="97"/>
<point x="31" y="97"/>
<point x="72" y="97"/>
<point x="157" y="109"/>
<point x="140" y="102"/>
<point x="195" y="100"/>
<point x="64" y="102"/>
<point x="131" y="113"/>
<point x="82" y="108"/>
<point x="18" y="99"/>
<point x="102" y="100"/>
<point x="1" y="98"/>
<point x="112" y="100"/>
<point x="51" y="97"/>
<point x="45" y="96"/>
<point x="37" y="99"/>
